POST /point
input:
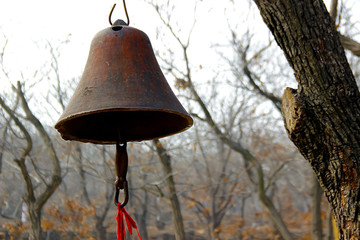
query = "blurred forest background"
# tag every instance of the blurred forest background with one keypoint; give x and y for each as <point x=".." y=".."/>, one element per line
<point x="233" y="175"/>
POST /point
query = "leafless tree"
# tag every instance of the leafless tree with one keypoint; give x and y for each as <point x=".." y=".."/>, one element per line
<point x="26" y="128"/>
<point x="320" y="114"/>
<point x="172" y="194"/>
<point x="184" y="80"/>
<point x="34" y="198"/>
<point x="101" y="171"/>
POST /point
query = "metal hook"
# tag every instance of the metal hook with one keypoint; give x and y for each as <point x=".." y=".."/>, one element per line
<point x="127" y="16"/>
<point x="117" y="193"/>
<point x="121" y="165"/>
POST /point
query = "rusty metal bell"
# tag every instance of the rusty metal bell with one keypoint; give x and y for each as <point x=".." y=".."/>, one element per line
<point x="123" y="95"/>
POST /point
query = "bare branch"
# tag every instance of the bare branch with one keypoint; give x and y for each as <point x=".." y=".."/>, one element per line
<point x="2" y="58"/>
<point x="21" y="161"/>
<point x="350" y="45"/>
<point x="38" y="171"/>
<point x="167" y="24"/>
<point x="333" y="10"/>
<point x="55" y="66"/>
<point x="275" y="100"/>
<point x="56" y="175"/>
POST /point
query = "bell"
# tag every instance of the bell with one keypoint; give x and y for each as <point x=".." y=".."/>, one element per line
<point x="123" y="95"/>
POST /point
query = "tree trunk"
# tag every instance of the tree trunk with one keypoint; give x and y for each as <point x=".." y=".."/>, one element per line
<point x="4" y="136"/>
<point x="275" y="216"/>
<point x="322" y="117"/>
<point x="100" y="230"/>
<point x="141" y="211"/>
<point x="140" y="217"/>
<point x="35" y="219"/>
<point x="316" y="224"/>
<point x="170" y="184"/>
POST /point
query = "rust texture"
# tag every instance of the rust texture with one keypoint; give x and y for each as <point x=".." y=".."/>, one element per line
<point x="123" y="95"/>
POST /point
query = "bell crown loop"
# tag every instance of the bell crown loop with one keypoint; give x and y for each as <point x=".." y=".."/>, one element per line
<point x="127" y="15"/>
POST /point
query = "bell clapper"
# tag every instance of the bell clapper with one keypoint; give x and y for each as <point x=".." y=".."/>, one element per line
<point x="121" y="165"/>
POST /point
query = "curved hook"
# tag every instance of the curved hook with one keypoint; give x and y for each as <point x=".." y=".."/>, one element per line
<point x="127" y="16"/>
<point x="117" y="193"/>
<point x="121" y="165"/>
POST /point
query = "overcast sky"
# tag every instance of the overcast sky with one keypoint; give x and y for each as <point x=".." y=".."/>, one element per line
<point x="28" y="25"/>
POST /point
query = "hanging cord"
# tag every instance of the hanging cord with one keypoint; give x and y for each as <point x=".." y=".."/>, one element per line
<point x="127" y="16"/>
<point x="121" y="223"/>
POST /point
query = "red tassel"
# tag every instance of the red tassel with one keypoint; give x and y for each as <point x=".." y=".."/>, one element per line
<point x="121" y="223"/>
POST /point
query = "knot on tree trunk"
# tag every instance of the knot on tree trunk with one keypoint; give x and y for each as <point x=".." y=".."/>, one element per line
<point x="293" y="112"/>
<point x="304" y="132"/>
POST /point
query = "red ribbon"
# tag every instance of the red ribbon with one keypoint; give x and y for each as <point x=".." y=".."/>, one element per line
<point x="121" y="223"/>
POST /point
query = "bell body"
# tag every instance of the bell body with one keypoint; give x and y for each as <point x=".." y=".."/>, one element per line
<point x="123" y="95"/>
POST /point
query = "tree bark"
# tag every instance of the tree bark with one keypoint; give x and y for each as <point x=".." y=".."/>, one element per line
<point x="170" y="184"/>
<point x="322" y="117"/>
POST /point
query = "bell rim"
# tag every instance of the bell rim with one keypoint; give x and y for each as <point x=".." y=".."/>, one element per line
<point x="69" y="137"/>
